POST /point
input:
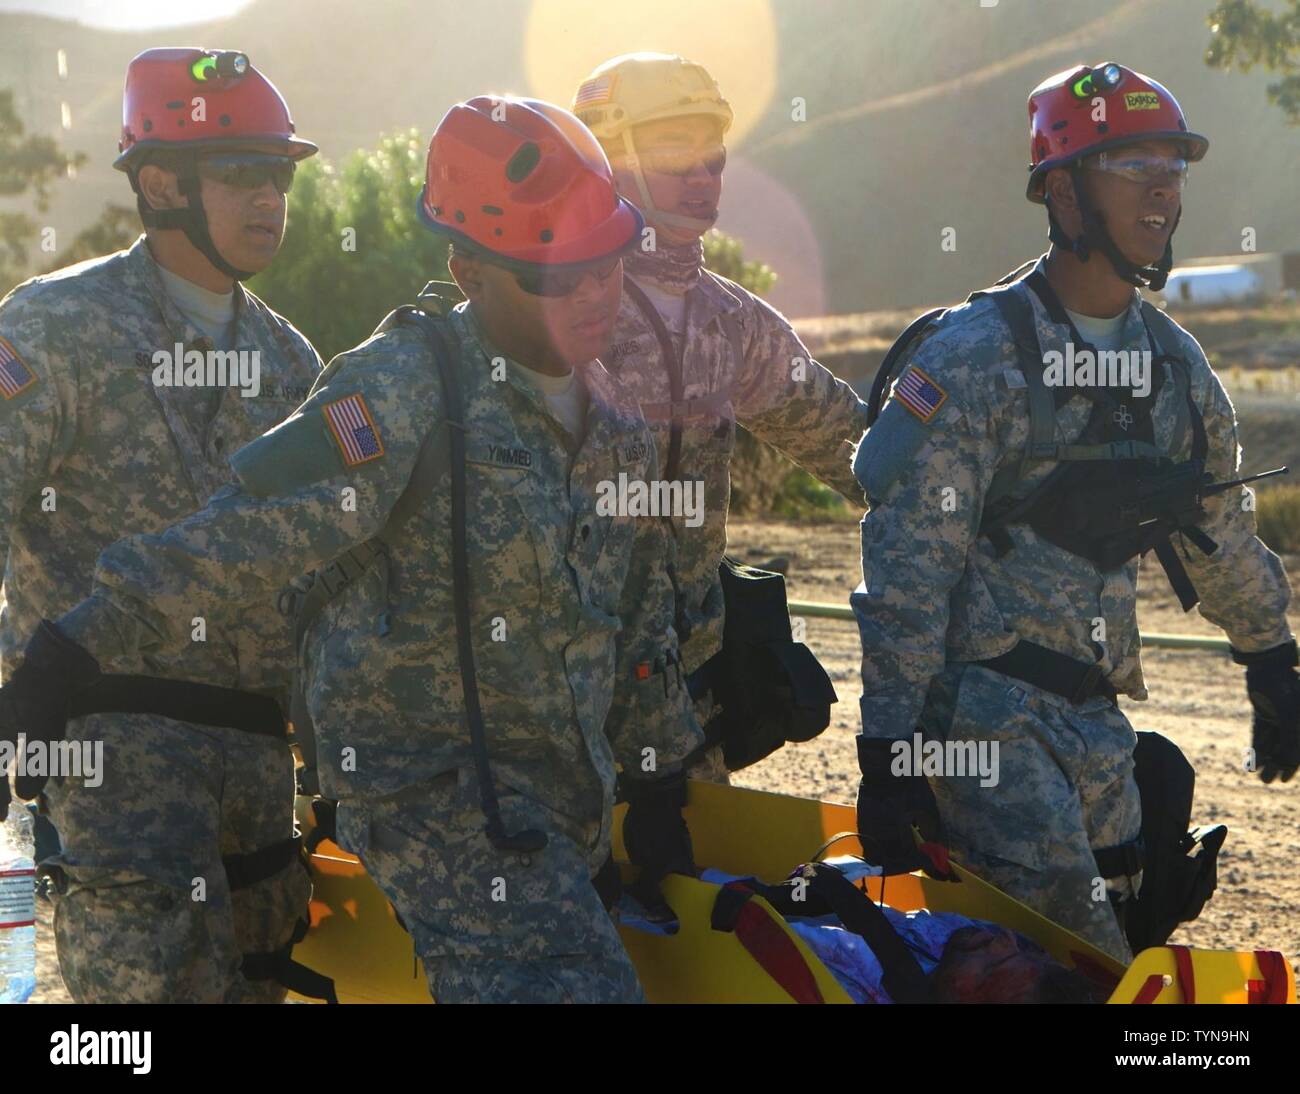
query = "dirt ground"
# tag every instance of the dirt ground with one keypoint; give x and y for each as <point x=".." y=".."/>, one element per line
<point x="1197" y="699"/>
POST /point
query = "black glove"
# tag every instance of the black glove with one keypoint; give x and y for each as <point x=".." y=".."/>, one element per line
<point x="889" y="806"/>
<point x="655" y="833"/>
<point x="1274" y="690"/>
<point x="36" y="699"/>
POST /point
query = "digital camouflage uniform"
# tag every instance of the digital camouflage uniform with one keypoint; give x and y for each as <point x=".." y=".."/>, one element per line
<point x="809" y="415"/>
<point x="566" y="605"/>
<point x="93" y="450"/>
<point x="935" y="596"/>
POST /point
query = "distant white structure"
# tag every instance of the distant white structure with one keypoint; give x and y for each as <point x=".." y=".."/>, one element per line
<point x="1207" y="286"/>
<point x="1231" y="279"/>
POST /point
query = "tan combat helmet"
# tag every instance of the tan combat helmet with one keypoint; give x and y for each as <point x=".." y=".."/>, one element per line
<point x="648" y="87"/>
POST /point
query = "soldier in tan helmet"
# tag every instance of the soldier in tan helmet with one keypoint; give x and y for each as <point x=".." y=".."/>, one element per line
<point x="733" y="358"/>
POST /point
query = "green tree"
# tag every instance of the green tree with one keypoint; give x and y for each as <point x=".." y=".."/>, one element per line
<point x="723" y="255"/>
<point x="354" y="247"/>
<point x="26" y="163"/>
<point x="1245" y="34"/>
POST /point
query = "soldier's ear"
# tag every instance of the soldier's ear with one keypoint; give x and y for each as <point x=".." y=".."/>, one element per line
<point x="160" y="188"/>
<point x="1059" y="191"/>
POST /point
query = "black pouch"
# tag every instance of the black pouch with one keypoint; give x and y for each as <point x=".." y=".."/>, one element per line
<point x="1181" y="871"/>
<point x="769" y="688"/>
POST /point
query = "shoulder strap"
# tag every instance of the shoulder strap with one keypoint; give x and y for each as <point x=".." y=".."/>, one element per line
<point x="888" y="368"/>
<point x="672" y="360"/>
<point x="445" y="347"/>
<point x="1018" y="315"/>
<point x="885" y="371"/>
<point x="425" y="474"/>
<point x="1164" y="334"/>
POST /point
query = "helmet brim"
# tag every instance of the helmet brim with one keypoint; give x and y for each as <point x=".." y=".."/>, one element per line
<point x="294" y="147"/>
<point x="1197" y="146"/>
<point x="615" y="234"/>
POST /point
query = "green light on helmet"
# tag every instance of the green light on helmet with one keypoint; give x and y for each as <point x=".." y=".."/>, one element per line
<point x="226" y="64"/>
<point x="1097" y="81"/>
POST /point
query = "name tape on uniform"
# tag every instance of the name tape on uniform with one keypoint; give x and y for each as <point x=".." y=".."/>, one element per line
<point x="354" y="429"/>
<point x="921" y="395"/>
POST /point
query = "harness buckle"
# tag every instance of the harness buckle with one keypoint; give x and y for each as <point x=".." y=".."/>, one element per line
<point x="333" y="578"/>
<point x="1088" y="684"/>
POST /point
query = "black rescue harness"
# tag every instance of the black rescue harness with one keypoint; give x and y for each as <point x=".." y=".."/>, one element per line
<point x="230" y="708"/>
<point x="1114" y="494"/>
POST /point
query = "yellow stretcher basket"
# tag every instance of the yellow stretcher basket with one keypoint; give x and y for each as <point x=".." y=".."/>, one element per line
<point x="356" y="940"/>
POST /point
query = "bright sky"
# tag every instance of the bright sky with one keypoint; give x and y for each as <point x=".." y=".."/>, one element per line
<point x="129" y="14"/>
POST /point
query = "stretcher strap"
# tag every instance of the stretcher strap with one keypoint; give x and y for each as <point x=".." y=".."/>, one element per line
<point x="1186" y="978"/>
<point x="766" y="942"/>
<point x="1272" y="989"/>
<point x="1150" y="989"/>
<point x="1184" y="974"/>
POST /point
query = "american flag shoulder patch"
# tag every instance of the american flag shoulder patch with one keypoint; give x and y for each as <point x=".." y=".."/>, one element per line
<point x="595" y="91"/>
<point x="15" y="376"/>
<point x="354" y="429"/>
<point x="921" y="395"/>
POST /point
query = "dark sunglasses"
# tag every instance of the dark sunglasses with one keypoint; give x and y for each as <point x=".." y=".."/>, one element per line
<point x="565" y="282"/>
<point x="249" y="170"/>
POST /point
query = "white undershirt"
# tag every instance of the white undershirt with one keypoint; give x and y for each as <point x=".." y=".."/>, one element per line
<point x="566" y="398"/>
<point x="1101" y="333"/>
<point x="212" y="312"/>
<point x="670" y="306"/>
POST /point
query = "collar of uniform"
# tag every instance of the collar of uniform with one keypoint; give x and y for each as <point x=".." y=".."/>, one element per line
<point x="144" y="267"/>
<point x="1054" y="336"/>
<point x="717" y="295"/>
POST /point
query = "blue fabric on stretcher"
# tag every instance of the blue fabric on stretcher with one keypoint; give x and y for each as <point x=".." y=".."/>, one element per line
<point x="844" y="953"/>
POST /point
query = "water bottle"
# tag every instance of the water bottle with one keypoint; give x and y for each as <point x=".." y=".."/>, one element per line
<point x="17" y="907"/>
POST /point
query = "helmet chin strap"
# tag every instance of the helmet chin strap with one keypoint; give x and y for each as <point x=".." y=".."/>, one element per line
<point x="1096" y="237"/>
<point x="192" y="220"/>
<point x="649" y="209"/>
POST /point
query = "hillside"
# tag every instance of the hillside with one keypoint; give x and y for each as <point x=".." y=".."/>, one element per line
<point x="915" y="117"/>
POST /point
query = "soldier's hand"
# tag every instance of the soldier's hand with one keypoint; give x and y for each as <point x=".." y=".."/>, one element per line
<point x="1275" y="736"/>
<point x="1274" y="690"/>
<point x="36" y="699"/>
<point x="889" y="806"/>
<point x="655" y="833"/>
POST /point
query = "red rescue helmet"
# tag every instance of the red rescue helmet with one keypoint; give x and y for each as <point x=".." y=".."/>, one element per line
<point x="1085" y="110"/>
<point x="525" y="183"/>
<point x="238" y="105"/>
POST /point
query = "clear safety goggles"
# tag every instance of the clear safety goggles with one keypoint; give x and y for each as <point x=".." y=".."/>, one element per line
<point x="1136" y="167"/>
<point x="682" y="161"/>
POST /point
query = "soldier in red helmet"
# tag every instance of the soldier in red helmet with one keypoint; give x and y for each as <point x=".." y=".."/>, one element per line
<point x="126" y="383"/>
<point x="1036" y="442"/>
<point x="190" y="116"/>
<point x="488" y="635"/>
